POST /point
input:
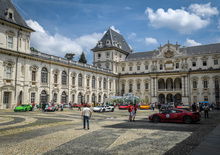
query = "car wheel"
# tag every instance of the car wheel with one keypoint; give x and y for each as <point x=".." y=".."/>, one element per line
<point x="156" y="119"/>
<point x="113" y="109"/>
<point x="187" y="119"/>
<point x="103" y="110"/>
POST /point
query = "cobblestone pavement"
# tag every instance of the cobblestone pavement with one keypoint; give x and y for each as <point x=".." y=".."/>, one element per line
<point x="110" y="133"/>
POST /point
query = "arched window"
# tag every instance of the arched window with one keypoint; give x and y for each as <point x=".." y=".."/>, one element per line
<point x="55" y="77"/>
<point x="73" y="80"/>
<point x="93" y="82"/>
<point x="93" y="98"/>
<point x="64" y="78"/>
<point x="130" y="87"/>
<point x="33" y="75"/>
<point x="194" y="84"/>
<point x="44" y="75"/>
<point x="104" y="83"/>
<point x="80" y="80"/>
<point x="80" y="98"/>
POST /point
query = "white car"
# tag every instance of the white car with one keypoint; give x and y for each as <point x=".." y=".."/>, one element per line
<point x="103" y="109"/>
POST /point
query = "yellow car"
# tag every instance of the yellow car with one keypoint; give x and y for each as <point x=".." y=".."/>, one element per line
<point x="146" y="106"/>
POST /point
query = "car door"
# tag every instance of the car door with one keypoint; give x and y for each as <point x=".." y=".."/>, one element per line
<point x="173" y="116"/>
<point x="165" y="116"/>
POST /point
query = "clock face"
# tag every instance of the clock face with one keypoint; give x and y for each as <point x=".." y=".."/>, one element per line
<point x="168" y="54"/>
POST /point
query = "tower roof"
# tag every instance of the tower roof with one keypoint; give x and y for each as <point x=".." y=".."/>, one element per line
<point x="6" y="7"/>
<point x="113" y="39"/>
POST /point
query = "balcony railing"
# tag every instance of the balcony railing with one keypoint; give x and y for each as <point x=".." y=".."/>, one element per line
<point x="170" y="89"/>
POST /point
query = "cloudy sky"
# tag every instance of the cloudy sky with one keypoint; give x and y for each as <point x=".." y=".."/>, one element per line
<point x="76" y="25"/>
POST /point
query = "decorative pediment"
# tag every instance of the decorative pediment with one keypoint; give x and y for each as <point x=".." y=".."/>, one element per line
<point x="169" y="51"/>
<point x="34" y="68"/>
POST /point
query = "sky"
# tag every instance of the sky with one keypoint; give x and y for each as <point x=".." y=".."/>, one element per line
<point x="64" y="26"/>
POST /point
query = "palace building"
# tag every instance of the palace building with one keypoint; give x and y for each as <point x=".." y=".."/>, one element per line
<point x="170" y="73"/>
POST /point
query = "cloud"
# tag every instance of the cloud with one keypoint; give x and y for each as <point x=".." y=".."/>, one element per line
<point x="150" y="41"/>
<point x="190" y="42"/>
<point x="203" y="10"/>
<point x="127" y="8"/>
<point x="218" y="26"/>
<point x="113" y="28"/>
<point x="132" y="35"/>
<point x="180" y="19"/>
<point x="58" y="44"/>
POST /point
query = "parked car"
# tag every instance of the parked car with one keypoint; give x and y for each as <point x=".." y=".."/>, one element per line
<point x="175" y="115"/>
<point x="103" y="109"/>
<point x="23" y="107"/>
<point x="52" y="108"/>
<point x="123" y="107"/>
<point x="76" y="105"/>
<point x="146" y="106"/>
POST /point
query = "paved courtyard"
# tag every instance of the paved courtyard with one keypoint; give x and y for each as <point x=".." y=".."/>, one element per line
<point x="110" y="133"/>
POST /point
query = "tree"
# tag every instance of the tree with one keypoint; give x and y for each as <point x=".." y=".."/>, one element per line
<point x="82" y="58"/>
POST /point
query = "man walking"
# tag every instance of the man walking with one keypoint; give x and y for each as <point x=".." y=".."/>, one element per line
<point x="206" y="110"/>
<point x="86" y="114"/>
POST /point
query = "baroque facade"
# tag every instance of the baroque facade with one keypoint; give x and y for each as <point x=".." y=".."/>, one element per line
<point x="168" y="74"/>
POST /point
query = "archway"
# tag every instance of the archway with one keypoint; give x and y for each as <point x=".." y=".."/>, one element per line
<point x="161" y="98"/>
<point x="63" y="97"/>
<point x="80" y="98"/>
<point x="161" y="84"/>
<point x="104" y="97"/>
<point x="20" y="96"/>
<point x="169" y="98"/>
<point x="177" y="99"/>
<point x="169" y="84"/>
<point x="93" y="98"/>
<point x="43" y="97"/>
<point x="177" y="84"/>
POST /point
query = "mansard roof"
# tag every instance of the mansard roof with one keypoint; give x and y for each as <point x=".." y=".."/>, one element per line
<point x="190" y="51"/>
<point x="115" y="39"/>
<point x="5" y="6"/>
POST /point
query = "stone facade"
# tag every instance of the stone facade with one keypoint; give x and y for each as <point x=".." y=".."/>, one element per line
<point x="168" y="74"/>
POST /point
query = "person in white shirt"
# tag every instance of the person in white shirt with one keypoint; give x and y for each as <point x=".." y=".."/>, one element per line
<point x="86" y="114"/>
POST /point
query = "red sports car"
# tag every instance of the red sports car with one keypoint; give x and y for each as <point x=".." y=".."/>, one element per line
<point x="123" y="107"/>
<point x="175" y="115"/>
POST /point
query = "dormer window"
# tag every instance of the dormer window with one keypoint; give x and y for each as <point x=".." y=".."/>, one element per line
<point x="99" y="55"/>
<point x="108" y="42"/>
<point x="100" y="44"/>
<point x="9" y="13"/>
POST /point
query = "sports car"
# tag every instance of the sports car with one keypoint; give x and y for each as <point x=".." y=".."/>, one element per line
<point x="144" y="106"/>
<point x="175" y="115"/>
<point x="23" y="107"/>
<point x="51" y="108"/>
<point x="103" y="109"/>
<point x="123" y="107"/>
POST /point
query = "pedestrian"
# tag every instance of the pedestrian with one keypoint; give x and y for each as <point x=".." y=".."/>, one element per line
<point x="134" y="112"/>
<point x="86" y="114"/>
<point x="206" y="110"/>
<point x="194" y="108"/>
<point x="153" y="106"/>
<point x="79" y="107"/>
<point x="61" y="107"/>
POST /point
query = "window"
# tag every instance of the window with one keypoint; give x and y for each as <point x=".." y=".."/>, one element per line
<point x="10" y="42"/>
<point x="161" y="67"/>
<point x="80" y="80"/>
<point x="130" y="68"/>
<point x="146" y="67"/>
<point x="8" y="71"/>
<point x="73" y="80"/>
<point x="99" y="55"/>
<point x="107" y="54"/>
<point x="120" y="55"/>
<point x="204" y="63"/>
<point x="205" y="84"/>
<point x="55" y="77"/>
<point x="10" y="15"/>
<point x="104" y="83"/>
<point x="177" y="65"/>
<point x="110" y="85"/>
<point x="215" y="61"/>
<point x="100" y="83"/>
<point x="64" y="78"/>
<point x="138" y="86"/>
<point x="63" y="97"/>
<point x="194" y="64"/>
<point x="87" y="82"/>
<point x="32" y="97"/>
<point x="146" y="85"/>
<point x="123" y="68"/>
<point x="122" y="88"/>
<point x="194" y="84"/>
<point x="33" y="75"/>
<point x="130" y="87"/>
<point x="107" y="42"/>
<point x="138" y="68"/>
<point x="93" y="82"/>
<point x="6" y="98"/>
<point x="44" y="75"/>
<point x="73" y="98"/>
